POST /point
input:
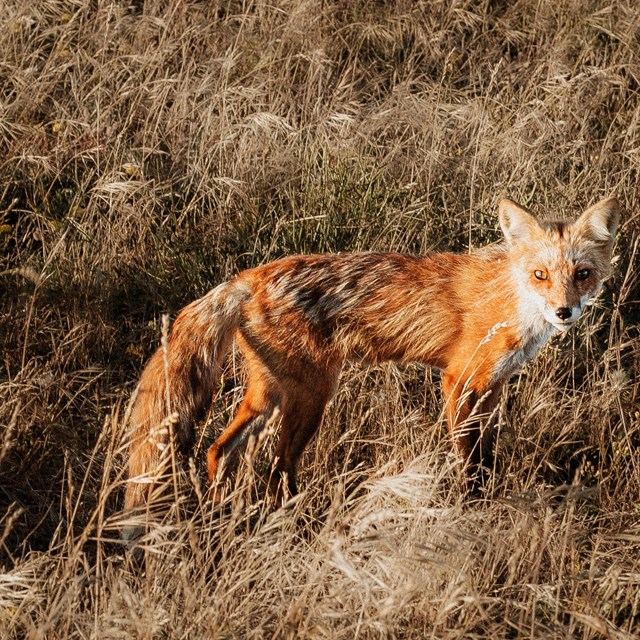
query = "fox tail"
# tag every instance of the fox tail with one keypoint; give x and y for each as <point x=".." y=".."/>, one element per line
<point x="178" y="385"/>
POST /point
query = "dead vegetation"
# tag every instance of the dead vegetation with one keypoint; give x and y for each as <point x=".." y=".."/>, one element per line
<point x="150" y="150"/>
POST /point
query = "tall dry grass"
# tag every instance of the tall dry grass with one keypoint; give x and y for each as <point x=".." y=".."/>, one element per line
<point x="150" y="150"/>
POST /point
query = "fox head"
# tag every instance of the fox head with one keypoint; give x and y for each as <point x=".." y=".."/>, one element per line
<point x="559" y="265"/>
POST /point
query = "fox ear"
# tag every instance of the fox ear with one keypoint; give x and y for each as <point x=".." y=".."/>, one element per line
<point x="517" y="224"/>
<point x="600" y="221"/>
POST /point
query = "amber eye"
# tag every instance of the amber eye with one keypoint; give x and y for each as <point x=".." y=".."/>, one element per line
<point x="541" y="275"/>
<point x="582" y="274"/>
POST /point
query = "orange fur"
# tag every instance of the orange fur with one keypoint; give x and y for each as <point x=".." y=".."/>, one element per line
<point x="477" y="317"/>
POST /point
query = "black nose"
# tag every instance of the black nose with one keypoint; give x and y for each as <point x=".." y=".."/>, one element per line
<point x="563" y="313"/>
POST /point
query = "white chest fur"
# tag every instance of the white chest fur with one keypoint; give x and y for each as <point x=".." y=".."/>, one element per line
<point x="534" y="334"/>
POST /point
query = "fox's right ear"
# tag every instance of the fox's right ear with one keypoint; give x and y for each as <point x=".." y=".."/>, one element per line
<point x="517" y="224"/>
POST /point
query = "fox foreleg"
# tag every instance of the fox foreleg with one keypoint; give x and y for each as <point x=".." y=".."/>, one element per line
<point x="470" y="415"/>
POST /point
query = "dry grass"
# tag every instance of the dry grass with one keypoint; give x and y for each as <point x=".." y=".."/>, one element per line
<point x="150" y="150"/>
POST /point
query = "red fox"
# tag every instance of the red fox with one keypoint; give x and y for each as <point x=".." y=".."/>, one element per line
<point x="477" y="317"/>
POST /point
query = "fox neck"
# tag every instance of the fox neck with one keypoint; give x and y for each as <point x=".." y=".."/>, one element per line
<point x="533" y="328"/>
<point x="534" y="333"/>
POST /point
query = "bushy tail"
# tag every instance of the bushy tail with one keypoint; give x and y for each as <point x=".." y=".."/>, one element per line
<point x="178" y="384"/>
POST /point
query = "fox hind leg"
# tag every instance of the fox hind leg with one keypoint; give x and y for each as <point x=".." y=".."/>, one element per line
<point x="303" y="407"/>
<point x="260" y="400"/>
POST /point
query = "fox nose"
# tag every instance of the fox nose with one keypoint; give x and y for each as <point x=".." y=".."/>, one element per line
<point x="564" y="312"/>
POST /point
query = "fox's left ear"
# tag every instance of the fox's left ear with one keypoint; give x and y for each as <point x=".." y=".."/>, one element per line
<point x="600" y="221"/>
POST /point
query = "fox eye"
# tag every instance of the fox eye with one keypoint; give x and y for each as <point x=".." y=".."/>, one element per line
<point x="582" y="274"/>
<point x="541" y="275"/>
